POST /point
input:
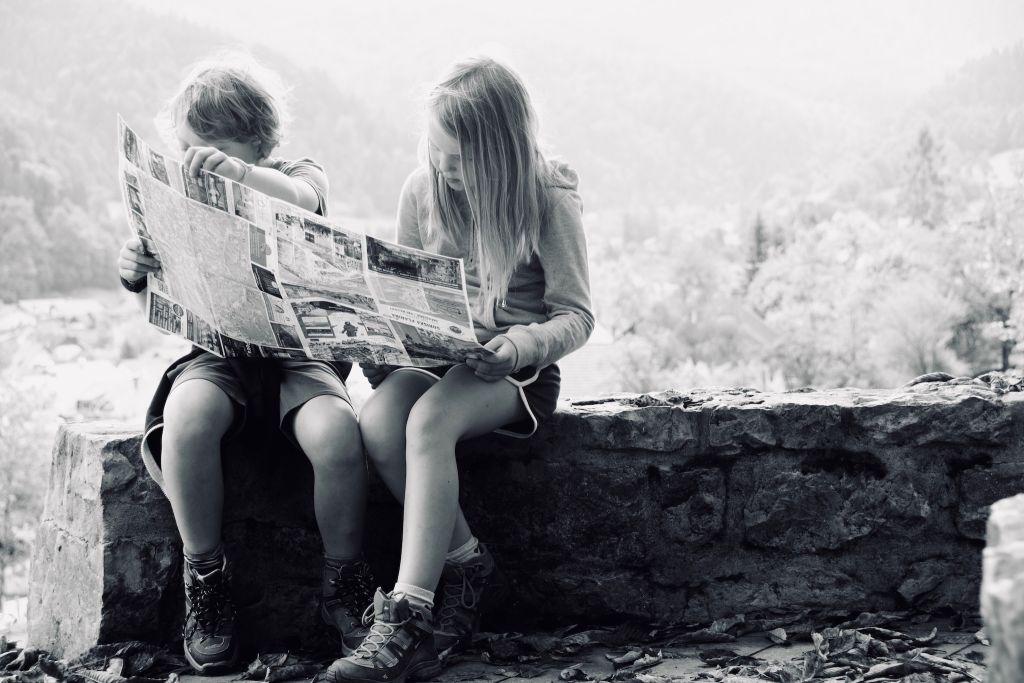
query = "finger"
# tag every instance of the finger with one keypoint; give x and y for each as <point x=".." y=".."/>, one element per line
<point x="140" y="257"/>
<point x="505" y="356"/>
<point x="214" y="160"/>
<point x="137" y="263"/>
<point x="496" y="343"/>
<point x="198" y="159"/>
<point x="489" y="378"/>
<point x="189" y="153"/>
<point x="134" y="273"/>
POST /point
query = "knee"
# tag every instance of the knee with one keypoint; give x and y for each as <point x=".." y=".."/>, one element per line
<point x="382" y="427"/>
<point x="194" y="425"/>
<point x="431" y="428"/>
<point x="328" y="433"/>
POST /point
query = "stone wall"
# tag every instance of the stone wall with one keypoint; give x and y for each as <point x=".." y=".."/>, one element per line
<point x="1002" y="591"/>
<point x="667" y="507"/>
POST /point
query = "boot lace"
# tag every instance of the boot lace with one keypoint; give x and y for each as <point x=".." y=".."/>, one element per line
<point x="210" y="605"/>
<point x="352" y="587"/>
<point x="377" y="639"/>
<point x="459" y="595"/>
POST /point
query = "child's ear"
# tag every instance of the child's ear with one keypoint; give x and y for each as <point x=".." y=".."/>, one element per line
<point x="263" y="150"/>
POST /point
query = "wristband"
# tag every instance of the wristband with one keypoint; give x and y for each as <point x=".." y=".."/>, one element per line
<point x="135" y="286"/>
<point x="245" y="173"/>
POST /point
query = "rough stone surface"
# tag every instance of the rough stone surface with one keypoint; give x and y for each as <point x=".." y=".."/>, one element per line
<point x="1002" y="591"/>
<point x="669" y="507"/>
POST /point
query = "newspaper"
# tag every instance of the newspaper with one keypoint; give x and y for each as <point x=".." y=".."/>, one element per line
<point x="246" y="275"/>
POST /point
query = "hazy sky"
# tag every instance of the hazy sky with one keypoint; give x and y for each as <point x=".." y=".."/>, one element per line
<point x="818" y="49"/>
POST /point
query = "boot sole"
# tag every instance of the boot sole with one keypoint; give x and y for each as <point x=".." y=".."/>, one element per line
<point x="211" y="668"/>
<point x="423" y="672"/>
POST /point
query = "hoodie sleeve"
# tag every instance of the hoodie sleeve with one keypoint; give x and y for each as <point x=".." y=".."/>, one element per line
<point x="563" y="256"/>
<point x="408" y="226"/>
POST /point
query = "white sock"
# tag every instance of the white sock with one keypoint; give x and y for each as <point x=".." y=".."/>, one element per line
<point x="421" y="596"/>
<point x="463" y="552"/>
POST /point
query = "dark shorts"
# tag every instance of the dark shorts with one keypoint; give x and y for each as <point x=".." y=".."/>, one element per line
<point x="538" y="391"/>
<point x="301" y="380"/>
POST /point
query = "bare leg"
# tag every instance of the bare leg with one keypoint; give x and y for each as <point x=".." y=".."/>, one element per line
<point x="458" y="407"/>
<point x="196" y="417"/>
<point x="382" y="420"/>
<point x="326" y="429"/>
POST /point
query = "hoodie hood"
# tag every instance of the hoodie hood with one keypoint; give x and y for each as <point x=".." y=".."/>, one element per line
<point x="563" y="176"/>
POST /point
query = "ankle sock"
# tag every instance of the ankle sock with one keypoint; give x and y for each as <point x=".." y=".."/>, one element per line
<point x="420" y="596"/>
<point x="464" y="552"/>
<point x="207" y="562"/>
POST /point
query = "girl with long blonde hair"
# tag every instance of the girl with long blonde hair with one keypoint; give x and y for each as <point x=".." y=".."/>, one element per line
<point x="487" y="194"/>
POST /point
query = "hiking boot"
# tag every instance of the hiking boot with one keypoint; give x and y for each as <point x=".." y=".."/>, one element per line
<point x="211" y="641"/>
<point x="346" y="592"/>
<point x="399" y="646"/>
<point x="462" y="596"/>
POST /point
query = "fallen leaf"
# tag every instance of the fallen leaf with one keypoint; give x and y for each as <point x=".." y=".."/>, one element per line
<point x="651" y="678"/>
<point x="290" y="672"/>
<point x="873" y="619"/>
<point x="574" y="673"/>
<point x="257" y="670"/>
<point x="25" y="660"/>
<point x="624" y="660"/>
<point x="716" y="656"/>
<point x="813" y="664"/>
<point x="540" y="643"/>
<point x="922" y="678"/>
<point x="886" y="670"/>
<point x="53" y="668"/>
<point x="99" y="676"/>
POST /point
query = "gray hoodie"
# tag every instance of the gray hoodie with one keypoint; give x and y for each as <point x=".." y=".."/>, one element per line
<point x="546" y="313"/>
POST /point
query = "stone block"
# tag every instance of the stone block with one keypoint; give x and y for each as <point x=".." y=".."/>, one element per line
<point x="1002" y="591"/>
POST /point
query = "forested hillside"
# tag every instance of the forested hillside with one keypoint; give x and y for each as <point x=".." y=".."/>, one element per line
<point x="58" y="106"/>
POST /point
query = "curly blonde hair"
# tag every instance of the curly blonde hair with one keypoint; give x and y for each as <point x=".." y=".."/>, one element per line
<point x="229" y="97"/>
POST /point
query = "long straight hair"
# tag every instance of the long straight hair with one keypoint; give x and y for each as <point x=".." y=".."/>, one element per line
<point x="484" y="105"/>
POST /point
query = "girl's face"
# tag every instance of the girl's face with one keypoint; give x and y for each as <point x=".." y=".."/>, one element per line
<point x="246" y="151"/>
<point x="445" y="155"/>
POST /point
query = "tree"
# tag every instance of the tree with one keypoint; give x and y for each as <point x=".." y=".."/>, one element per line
<point x="758" y="248"/>
<point x="990" y="272"/>
<point x="673" y="305"/>
<point x="839" y="297"/>
<point x="924" y="194"/>
<point x="25" y="268"/>
<point x="26" y="432"/>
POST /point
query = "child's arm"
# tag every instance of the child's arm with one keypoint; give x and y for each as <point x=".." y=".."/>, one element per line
<point x="563" y="256"/>
<point x="292" y="189"/>
<point x="408" y="232"/>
